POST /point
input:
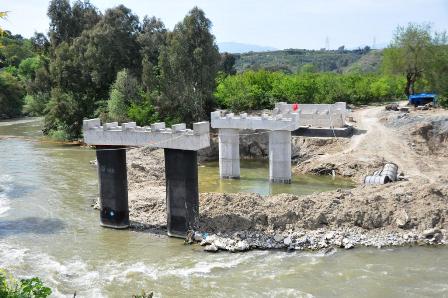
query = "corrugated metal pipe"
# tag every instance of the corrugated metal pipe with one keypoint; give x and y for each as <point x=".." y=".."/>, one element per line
<point x="386" y="175"/>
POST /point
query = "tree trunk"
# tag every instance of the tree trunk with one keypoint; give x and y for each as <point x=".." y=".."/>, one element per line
<point x="410" y="81"/>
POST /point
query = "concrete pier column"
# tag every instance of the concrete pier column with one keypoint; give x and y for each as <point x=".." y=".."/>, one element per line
<point x="113" y="185"/>
<point x="229" y="153"/>
<point x="280" y="156"/>
<point x="182" y="196"/>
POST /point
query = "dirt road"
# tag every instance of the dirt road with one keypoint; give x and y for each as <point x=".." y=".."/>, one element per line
<point x="375" y="141"/>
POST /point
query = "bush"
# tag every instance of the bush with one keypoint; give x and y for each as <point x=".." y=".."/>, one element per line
<point x="63" y="116"/>
<point x="25" y="288"/>
<point x="443" y="101"/>
<point x="35" y="104"/>
<point x="143" y="114"/>
<point x="125" y="91"/>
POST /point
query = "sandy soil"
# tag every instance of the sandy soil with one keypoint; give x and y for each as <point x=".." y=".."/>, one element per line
<point x="405" y="212"/>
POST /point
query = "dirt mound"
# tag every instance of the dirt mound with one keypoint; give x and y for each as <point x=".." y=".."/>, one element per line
<point x="146" y="165"/>
<point x="426" y="131"/>
<point x="353" y="168"/>
<point x="368" y="207"/>
<point x="404" y="205"/>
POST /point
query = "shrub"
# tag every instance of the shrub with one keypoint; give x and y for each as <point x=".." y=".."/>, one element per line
<point x="35" y="104"/>
<point x="25" y="288"/>
<point x="443" y="101"/>
<point x="63" y="115"/>
<point x="143" y="114"/>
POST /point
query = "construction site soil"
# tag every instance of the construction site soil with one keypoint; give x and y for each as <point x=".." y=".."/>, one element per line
<point x="407" y="212"/>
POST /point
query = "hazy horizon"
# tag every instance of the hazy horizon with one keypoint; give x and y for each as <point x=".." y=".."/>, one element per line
<point x="294" y="24"/>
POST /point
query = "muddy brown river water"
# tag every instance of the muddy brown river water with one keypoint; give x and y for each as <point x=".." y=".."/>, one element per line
<point x="48" y="229"/>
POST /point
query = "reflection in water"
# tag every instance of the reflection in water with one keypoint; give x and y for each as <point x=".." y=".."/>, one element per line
<point x="254" y="178"/>
<point x="33" y="225"/>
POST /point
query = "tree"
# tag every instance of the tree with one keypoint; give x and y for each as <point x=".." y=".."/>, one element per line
<point x="40" y="43"/>
<point x="84" y="16"/>
<point x="188" y="65"/>
<point x="11" y="96"/>
<point x="63" y="117"/>
<point x="61" y="22"/>
<point x="410" y="53"/>
<point x="227" y="64"/>
<point x="151" y="39"/>
<point x="86" y="68"/>
<point x="437" y="74"/>
<point x="67" y="22"/>
<point x="124" y="92"/>
<point x="14" y="49"/>
<point x="34" y="73"/>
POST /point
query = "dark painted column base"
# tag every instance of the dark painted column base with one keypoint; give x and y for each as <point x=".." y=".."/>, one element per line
<point x="182" y="196"/>
<point x="113" y="183"/>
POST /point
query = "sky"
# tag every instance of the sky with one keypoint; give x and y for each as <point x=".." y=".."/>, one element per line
<point x="304" y="24"/>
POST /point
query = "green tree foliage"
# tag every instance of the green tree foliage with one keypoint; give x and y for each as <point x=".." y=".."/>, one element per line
<point x="86" y="68"/>
<point x="11" y="96"/>
<point x="437" y="74"/>
<point x="227" y="64"/>
<point x="25" y="288"/>
<point x="91" y="63"/>
<point x="33" y="72"/>
<point x="63" y="115"/>
<point x="125" y="91"/>
<point x="144" y="113"/>
<point x="417" y="54"/>
<point x="14" y="49"/>
<point x="67" y="22"/>
<point x="261" y="89"/>
<point x="40" y="43"/>
<point x="151" y="39"/>
<point x="189" y="64"/>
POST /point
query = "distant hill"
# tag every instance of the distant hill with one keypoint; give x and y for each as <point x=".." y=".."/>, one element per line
<point x="369" y="62"/>
<point x="292" y="60"/>
<point x="238" y="48"/>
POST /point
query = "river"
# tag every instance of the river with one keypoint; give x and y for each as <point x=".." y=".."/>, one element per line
<point x="48" y="229"/>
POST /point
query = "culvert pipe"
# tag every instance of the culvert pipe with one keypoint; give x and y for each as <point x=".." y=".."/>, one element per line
<point x="372" y="180"/>
<point x="390" y="170"/>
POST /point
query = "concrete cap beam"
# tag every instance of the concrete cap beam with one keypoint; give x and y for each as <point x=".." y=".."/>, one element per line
<point x="288" y="122"/>
<point x="316" y="115"/>
<point x="157" y="135"/>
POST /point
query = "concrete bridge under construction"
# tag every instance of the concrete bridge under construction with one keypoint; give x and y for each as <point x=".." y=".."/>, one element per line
<point x="180" y="147"/>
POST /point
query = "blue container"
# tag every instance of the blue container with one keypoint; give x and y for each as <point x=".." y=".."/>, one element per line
<point x="422" y="99"/>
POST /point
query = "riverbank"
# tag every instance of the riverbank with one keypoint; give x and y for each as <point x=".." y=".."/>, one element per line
<point x="402" y="213"/>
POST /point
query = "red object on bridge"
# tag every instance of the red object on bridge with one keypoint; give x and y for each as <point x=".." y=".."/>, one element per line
<point x="295" y="107"/>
